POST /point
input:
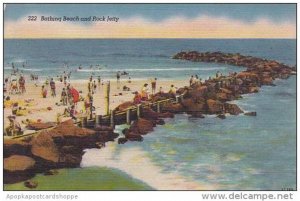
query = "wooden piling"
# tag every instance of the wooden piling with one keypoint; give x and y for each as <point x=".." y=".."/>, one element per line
<point x="112" y="118"/>
<point x="98" y="120"/>
<point x="138" y="111"/>
<point x="128" y="120"/>
<point x="181" y="98"/>
<point x="106" y="97"/>
<point x="158" y="107"/>
<point x="83" y="122"/>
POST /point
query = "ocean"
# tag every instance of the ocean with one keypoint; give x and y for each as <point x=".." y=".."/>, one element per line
<point x="237" y="153"/>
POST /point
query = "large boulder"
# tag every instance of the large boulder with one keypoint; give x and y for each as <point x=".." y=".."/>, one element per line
<point x="141" y="126"/>
<point x="172" y="107"/>
<point x="68" y="129"/>
<point x="191" y="105"/>
<point x="267" y="81"/>
<point x="124" y="106"/>
<point x="214" y="106"/>
<point x="44" y="147"/>
<point x="232" y="109"/>
<point x="18" y="168"/>
<point x="247" y="75"/>
<point x="149" y="114"/>
<point x="198" y="91"/>
<point x="223" y="96"/>
<point x="16" y="147"/>
<point x="253" y="89"/>
<point x="131" y="136"/>
<point x="40" y="126"/>
<point x="18" y="163"/>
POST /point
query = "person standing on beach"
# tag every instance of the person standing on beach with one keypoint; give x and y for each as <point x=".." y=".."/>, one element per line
<point x="191" y="80"/>
<point x="69" y="95"/>
<point x="52" y="86"/>
<point x="89" y="86"/>
<point x="153" y="85"/>
<point x="64" y="97"/>
<point x="118" y="80"/>
<point x="94" y="86"/>
<point x="137" y="99"/>
<point x="99" y="81"/>
<point x="87" y="104"/>
<point x="14" y="86"/>
<point x="22" y="84"/>
<point x="172" y="91"/>
<point x="44" y="92"/>
<point x="144" y="92"/>
<point x="196" y="79"/>
<point x="75" y="95"/>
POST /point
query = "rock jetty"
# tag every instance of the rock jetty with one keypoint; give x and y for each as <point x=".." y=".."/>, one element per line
<point x="210" y="96"/>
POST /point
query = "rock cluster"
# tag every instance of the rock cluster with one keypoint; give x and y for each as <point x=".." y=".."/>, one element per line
<point x="59" y="147"/>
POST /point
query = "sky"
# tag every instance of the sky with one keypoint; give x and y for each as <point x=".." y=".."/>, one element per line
<point x="153" y="21"/>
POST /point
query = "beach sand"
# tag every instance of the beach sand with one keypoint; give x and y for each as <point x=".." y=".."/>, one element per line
<point x="39" y="106"/>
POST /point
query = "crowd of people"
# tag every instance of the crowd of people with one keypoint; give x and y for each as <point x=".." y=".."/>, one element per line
<point x="14" y="84"/>
<point x="69" y="96"/>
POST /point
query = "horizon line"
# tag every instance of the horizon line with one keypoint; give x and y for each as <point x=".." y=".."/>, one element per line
<point x="146" y="38"/>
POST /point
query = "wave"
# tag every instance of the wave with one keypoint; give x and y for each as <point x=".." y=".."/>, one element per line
<point x="29" y="69"/>
<point x="7" y="67"/>
<point x="19" y="61"/>
<point x="132" y="55"/>
<point x="151" y="69"/>
<point x="137" y="163"/>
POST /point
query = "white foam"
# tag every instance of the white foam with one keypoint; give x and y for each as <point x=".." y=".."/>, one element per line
<point x="136" y="163"/>
<point x="30" y="69"/>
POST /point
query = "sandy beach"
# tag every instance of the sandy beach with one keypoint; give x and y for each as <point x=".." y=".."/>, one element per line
<point x="38" y="107"/>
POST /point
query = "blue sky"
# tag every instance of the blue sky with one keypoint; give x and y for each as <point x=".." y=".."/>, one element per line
<point x="158" y="12"/>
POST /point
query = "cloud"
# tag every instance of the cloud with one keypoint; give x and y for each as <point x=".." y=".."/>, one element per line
<point x="139" y="27"/>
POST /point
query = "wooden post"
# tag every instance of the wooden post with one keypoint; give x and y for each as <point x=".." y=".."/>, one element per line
<point x="128" y="120"/>
<point x="181" y="98"/>
<point x="158" y="107"/>
<point x="98" y="120"/>
<point x="138" y="111"/>
<point x="83" y="122"/>
<point x="91" y="107"/>
<point x="106" y="97"/>
<point x="112" y="118"/>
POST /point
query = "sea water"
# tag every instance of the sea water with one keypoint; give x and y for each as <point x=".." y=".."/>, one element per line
<point x="237" y="153"/>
